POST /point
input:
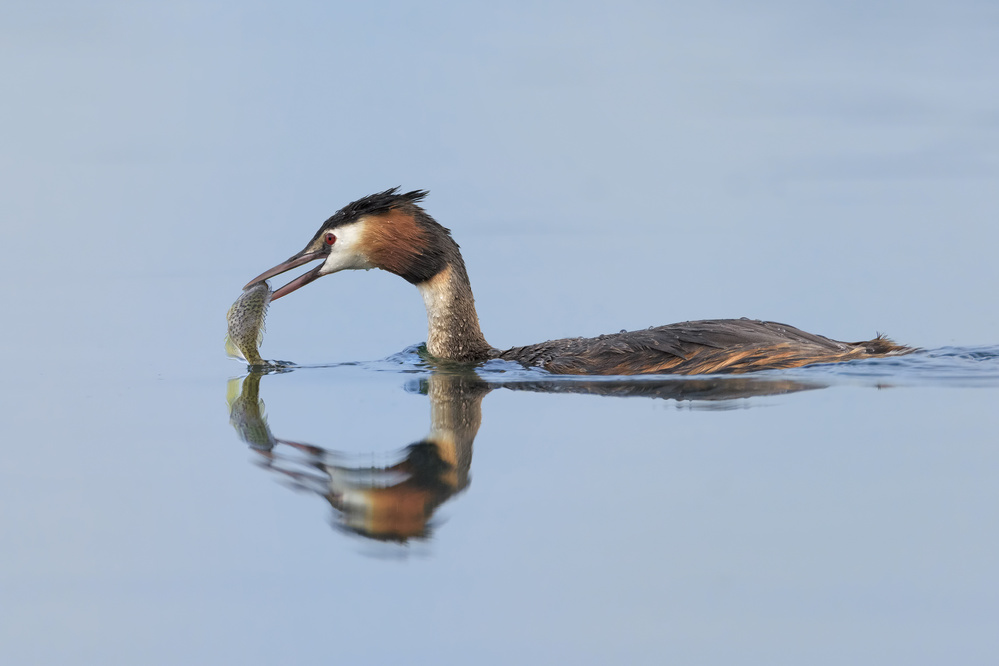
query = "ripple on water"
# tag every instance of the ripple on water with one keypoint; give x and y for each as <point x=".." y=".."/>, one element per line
<point x="944" y="366"/>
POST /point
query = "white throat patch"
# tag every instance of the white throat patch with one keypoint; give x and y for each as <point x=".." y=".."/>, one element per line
<point x="346" y="253"/>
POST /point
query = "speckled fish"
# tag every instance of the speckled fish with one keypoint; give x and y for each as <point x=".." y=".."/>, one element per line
<point x="246" y="323"/>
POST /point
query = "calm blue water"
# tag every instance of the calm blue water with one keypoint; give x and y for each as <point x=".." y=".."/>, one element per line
<point x="825" y="513"/>
<point x="603" y="168"/>
<point x="392" y="496"/>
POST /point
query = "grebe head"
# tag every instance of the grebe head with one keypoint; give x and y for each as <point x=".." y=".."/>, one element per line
<point x="386" y="230"/>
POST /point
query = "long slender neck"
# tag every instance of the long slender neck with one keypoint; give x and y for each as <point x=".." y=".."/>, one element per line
<point x="453" y="325"/>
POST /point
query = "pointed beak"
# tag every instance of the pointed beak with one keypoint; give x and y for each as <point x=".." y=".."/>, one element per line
<point x="293" y="262"/>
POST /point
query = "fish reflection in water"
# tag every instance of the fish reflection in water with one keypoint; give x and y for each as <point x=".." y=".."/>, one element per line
<point x="396" y="502"/>
<point x="246" y="412"/>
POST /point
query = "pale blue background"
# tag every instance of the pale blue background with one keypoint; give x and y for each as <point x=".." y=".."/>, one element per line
<point x="604" y="166"/>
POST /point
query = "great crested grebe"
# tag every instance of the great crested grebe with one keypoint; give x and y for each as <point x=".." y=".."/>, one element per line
<point x="391" y="231"/>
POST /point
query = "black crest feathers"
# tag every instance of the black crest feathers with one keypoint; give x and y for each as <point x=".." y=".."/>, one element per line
<point x="382" y="202"/>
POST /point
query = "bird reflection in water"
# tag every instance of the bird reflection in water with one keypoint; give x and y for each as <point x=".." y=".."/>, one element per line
<point x="396" y="502"/>
<point x="389" y="503"/>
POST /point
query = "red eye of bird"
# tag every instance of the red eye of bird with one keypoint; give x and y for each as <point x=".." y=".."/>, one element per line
<point x="330" y="239"/>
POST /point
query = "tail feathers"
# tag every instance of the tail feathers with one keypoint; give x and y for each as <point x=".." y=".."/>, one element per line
<point x="883" y="345"/>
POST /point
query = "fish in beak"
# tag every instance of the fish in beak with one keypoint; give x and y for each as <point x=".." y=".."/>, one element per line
<point x="297" y="260"/>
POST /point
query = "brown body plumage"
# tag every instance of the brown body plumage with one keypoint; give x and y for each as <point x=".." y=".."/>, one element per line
<point x="392" y="232"/>
<point x="696" y="347"/>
